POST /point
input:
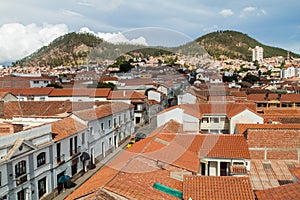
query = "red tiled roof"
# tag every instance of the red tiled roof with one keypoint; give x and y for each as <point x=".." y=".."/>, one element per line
<point x="103" y="79"/>
<point x="100" y="92"/>
<point x="102" y="111"/>
<point x="242" y="128"/>
<point x="286" y="192"/>
<point x="66" y="127"/>
<point x="273" y="139"/>
<point x="28" y="91"/>
<point x="69" y="92"/>
<point x="97" y="181"/>
<point x="184" y="150"/>
<point x="137" y="81"/>
<point x="239" y="94"/>
<point x="134" y="180"/>
<point x="198" y="110"/>
<point x="43" y="108"/>
<point x="126" y="94"/>
<point x="266" y="174"/>
<point x="219" y="187"/>
<point x="274" y="97"/>
<point x="139" y="185"/>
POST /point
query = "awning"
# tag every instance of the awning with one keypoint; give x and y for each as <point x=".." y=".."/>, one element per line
<point x="63" y="179"/>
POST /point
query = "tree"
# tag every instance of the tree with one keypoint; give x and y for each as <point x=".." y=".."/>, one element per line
<point x="106" y="85"/>
<point x="250" y="78"/>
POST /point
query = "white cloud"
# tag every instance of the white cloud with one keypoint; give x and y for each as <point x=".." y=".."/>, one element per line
<point x="226" y="12"/>
<point x="104" y="5"/>
<point x="115" y="38"/>
<point x="18" y="40"/>
<point x="249" y="9"/>
<point x="71" y="13"/>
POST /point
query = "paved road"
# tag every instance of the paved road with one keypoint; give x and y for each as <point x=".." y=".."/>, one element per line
<point x="149" y="128"/>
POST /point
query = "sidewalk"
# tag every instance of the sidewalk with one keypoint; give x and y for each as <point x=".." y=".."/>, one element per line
<point x="91" y="172"/>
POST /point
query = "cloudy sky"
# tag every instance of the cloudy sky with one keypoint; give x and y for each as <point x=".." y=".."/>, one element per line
<point x="29" y="24"/>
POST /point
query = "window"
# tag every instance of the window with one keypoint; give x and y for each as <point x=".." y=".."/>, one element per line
<point x="205" y="120"/>
<point x="42" y="187"/>
<point x="83" y="138"/>
<point x="238" y="163"/>
<point x="75" y="144"/>
<point x="109" y="123"/>
<point x="91" y="131"/>
<point x="58" y="158"/>
<point x="41" y="159"/>
<point x="20" y="168"/>
<point x="115" y="122"/>
<point x="71" y="146"/>
<point x="21" y="195"/>
<point x="102" y="126"/>
<point x="125" y="117"/>
<point x="215" y="120"/>
<point x="0" y="179"/>
<point x="110" y="143"/>
<point x="120" y="120"/>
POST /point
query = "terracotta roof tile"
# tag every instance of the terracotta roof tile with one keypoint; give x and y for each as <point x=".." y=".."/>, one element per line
<point x="273" y="139"/>
<point x="44" y="108"/>
<point x="92" y="185"/>
<point x="126" y="94"/>
<point x="140" y="81"/>
<point x="198" y="110"/>
<point x="28" y="91"/>
<point x="287" y="192"/>
<point x="134" y="180"/>
<point x="184" y="150"/>
<point x="274" y="97"/>
<point x="266" y="174"/>
<point x="109" y="78"/>
<point x="213" y="188"/>
<point x="70" y="92"/>
<point x="242" y="128"/>
<point x="66" y="127"/>
<point x="102" y="111"/>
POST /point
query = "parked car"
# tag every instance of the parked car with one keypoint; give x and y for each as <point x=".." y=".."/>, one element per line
<point x="140" y="136"/>
<point x="131" y="141"/>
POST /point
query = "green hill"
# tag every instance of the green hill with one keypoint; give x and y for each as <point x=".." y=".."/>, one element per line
<point x="236" y="45"/>
<point x="79" y="48"/>
<point x="69" y="49"/>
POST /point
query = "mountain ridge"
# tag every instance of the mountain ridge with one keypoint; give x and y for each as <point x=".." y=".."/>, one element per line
<point x="77" y="48"/>
<point x="236" y="45"/>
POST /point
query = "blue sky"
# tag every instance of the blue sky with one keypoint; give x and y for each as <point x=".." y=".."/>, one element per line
<point x="29" y="24"/>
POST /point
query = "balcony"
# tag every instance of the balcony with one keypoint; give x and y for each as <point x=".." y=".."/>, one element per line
<point x="20" y="180"/>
